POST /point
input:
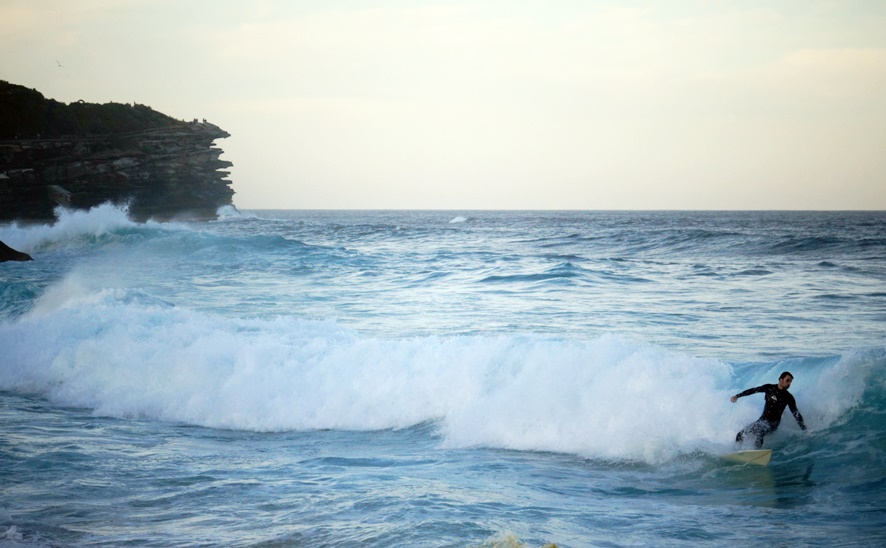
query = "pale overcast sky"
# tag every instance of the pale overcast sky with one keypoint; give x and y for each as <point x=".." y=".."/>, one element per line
<point x="428" y="104"/>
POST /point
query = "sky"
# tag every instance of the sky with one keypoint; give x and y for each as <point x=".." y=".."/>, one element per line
<point x="465" y="105"/>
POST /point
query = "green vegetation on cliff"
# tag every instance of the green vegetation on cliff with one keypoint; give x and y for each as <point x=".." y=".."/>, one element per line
<point x="26" y="114"/>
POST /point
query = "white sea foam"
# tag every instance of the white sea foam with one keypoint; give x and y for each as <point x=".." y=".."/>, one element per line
<point x="128" y="356"/>
<point x="98" y="221"/>
<point x="12" y="534"/>
<point x="459" y="219"/>
<point x="229" y="212"/>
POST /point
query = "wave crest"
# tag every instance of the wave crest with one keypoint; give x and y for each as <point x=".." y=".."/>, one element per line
<point x="125" y="354"/>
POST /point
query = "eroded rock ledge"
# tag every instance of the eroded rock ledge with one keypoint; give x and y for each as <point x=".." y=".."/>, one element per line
<point x="82" y="154"/>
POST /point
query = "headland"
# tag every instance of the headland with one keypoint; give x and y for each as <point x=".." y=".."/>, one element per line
<point x="80" y="155"/>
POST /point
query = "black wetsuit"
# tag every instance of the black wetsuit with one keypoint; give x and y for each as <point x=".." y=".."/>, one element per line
<point x="776" y="401"/>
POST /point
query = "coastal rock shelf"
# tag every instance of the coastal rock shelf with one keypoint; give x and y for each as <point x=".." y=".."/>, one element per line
<point x="161" y="167"/>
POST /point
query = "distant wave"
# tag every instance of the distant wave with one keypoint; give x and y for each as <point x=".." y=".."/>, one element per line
<point x="107" y="226"/>
<point x="560" y="271"/>
<point x="71" y="226"/>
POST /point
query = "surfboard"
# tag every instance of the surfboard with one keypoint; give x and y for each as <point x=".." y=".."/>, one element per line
<point x="752" y="456"/>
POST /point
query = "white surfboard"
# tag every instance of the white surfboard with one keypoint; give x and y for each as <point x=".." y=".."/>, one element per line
<point x="752" y="456"/>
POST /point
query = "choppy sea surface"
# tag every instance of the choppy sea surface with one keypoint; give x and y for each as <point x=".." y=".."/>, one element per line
<point x="434" y="378"/>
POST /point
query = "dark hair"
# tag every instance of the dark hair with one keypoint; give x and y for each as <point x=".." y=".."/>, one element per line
<point x="786" y="374"/>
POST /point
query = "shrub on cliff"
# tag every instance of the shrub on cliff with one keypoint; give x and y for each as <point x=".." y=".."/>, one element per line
<point x="26" y="114"/>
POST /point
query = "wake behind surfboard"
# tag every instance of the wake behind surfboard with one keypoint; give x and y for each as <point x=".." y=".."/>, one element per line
<point x="752" y="456"/>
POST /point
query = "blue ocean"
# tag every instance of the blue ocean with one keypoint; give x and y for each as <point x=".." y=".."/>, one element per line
<point x="441" y="378"/>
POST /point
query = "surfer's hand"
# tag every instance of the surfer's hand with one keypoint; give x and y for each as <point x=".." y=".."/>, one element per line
<point x="733" y="399"/>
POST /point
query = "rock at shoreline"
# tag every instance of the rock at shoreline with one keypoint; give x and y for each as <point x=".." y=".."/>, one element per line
<point x="81" y="155"/>
<point x="9" y="254"/>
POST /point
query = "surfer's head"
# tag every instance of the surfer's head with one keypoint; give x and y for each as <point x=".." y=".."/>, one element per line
<point x="785" y="380"/>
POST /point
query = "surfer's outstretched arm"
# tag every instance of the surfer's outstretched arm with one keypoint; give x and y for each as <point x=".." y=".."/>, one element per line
<point x="747" y="392"/>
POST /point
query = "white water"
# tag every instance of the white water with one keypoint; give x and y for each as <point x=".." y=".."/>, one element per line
<point x="125" y="354"/>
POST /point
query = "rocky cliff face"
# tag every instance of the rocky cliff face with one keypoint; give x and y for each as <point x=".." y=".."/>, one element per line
<point x="82" y="155"/>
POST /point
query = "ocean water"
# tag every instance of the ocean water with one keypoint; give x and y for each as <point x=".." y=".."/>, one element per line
<point x="408" y="378"/>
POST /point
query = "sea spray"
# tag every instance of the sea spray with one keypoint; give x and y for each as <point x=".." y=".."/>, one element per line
<point x="608" y="398"/>
<point x="71" y="226"/>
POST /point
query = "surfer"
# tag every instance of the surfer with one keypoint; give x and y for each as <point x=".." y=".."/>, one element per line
<point x="777" y="398"/>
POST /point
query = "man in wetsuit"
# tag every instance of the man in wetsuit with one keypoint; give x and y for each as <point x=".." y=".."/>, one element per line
<point x="777" y="398"/>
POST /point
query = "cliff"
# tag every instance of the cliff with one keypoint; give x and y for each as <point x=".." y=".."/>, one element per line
<point x="81" y="155"/>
